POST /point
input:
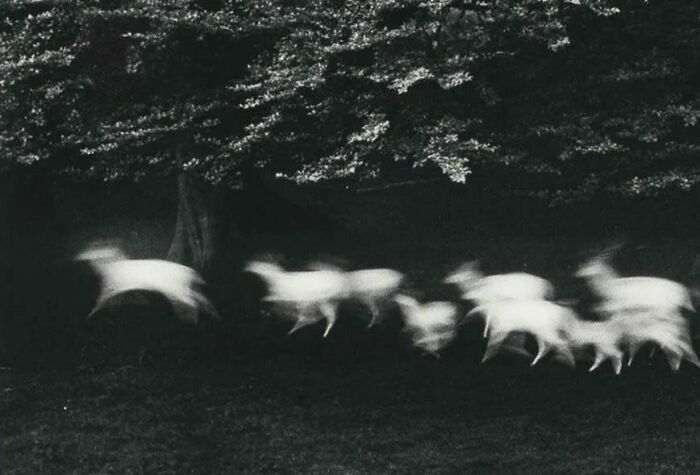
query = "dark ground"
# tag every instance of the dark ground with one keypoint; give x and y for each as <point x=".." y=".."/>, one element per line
<point x="242" y="397"/>
<point x="352" y="413"/>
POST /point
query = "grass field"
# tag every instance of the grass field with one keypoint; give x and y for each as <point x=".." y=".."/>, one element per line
<point x="247" y="398"/>
<point x="352" y="414"/>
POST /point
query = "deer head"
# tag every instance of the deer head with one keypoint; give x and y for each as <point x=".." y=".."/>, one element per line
<point x="262" y="268"/>
<point x="101" y="253"/>
<point x="467" y="273"/>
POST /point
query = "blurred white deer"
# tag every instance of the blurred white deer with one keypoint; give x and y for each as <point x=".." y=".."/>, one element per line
<point x="547" y="322"/>
<point x="480" y="289"/>
<point x="373" y="287"/>
<point x="621" y="294"/>
<point x="650" y="308"/>
<point x="671" y="336"/>
<point x="475" y="285"/>
<point x="604" y="338"/>
<point x="311" y="296"/>
<point x="433" y="325"/>
<point x="119" y="274"/>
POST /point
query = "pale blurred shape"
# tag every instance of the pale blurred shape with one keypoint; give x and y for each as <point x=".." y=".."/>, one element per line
<point x="432" y="325"/>
<point x="374" y="288"/>
<point x="546" y="321"/>
<point x="175" y="282"/>
<point x="307" y="296"/>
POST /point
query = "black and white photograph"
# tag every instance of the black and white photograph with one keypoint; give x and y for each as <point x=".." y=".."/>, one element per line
<point x="349" y="236"/>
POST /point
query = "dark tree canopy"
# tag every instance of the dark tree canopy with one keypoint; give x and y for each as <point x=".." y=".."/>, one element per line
<point x="551" y="97"/>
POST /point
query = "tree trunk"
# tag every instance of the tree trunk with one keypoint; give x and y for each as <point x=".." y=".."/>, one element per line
<point x="194" y="240"/>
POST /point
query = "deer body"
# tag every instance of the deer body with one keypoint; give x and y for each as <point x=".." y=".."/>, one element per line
<point x="311" y="295"/>
<point x="604" y="338"/>
<point x="671" y="336"/>
<point x="373" y="287"/>
<point x="481" y="289"/>
<point x="650" y="309"/>
<point x="620" y="293"/>
<point x="546" y="321"/>
<point x="517" y="285"/>
<point x="176" y="282"/>
<point x="432" y="325"/>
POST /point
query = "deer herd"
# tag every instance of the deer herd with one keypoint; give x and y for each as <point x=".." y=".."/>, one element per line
<point x="630" y="312"/>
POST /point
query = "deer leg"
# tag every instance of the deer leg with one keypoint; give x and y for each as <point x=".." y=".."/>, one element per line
<point x="430" y="344"/>
<point x="433" y="348"/>
<point x="565" y="355"/>
<point x="302" y="318"/>
<point x="542" y="350"/>
<point x="297" y="325"/>
<point x="329" y="311"/>
<point x="300" y="323"/>
<point x="692" y="357"/>
<point x="674" y="359"/>
<point x="633" y="348"/>
<point x="101" y="302"/>
<point x="185" y="309"/>
<point x="616" y="359"/>
<point x="689" y="354"/>
<point x="374" y="311"/>
<point x="94" y="311"/>
<point x="597" y="360"/>
<point x="652" y="352"/>
<point x="493" y="346"/>
<point x="206" y="305"/>
<point x="676" y="364"/>
<point x="487" y="323"/>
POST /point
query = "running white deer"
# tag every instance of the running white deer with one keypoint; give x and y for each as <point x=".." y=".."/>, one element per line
<point x="480" y="289"/>
<point x="645" y="302"/>
<point x="547" y="322"/>
<point x="671" y="336"/>
<point x="622" y="294"/>
<point x="432" y="325"/>
<point x="119" y="274"/>
<point x="374" y="288"/>
<point x="311" y="296"/>
<point x="604" y="338"/>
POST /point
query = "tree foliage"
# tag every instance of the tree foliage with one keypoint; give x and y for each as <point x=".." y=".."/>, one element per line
<point x="552" y="97"/>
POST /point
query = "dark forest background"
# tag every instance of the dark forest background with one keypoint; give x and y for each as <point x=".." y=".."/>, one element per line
<point x="207" y="132"/>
